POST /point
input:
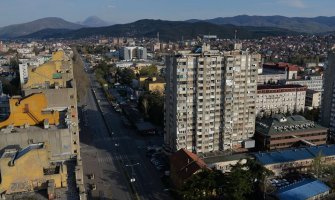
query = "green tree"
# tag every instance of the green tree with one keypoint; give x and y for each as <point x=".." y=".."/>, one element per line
<point x="317" y="165"/>
<point x="246" y="181"/>
<point x="203" y="185"/>
<point x="152" y="104"/>
<point x="238" y="184"/>
<point x="14" y="62"/>
<point x="12" y="87"/>
<point x="126" y="76"/>
<point x="149" y="71"/>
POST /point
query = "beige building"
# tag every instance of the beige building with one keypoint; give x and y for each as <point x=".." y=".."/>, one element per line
<point x="273" y="99"/>
<point x="155" y="84"/>
<point x="313" y="99"/>
<point x="210" y="99"/>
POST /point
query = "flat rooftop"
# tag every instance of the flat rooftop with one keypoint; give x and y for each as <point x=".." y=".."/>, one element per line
<point x="291" y="155"/>
<point x="69" y="193"/>
<point x="221" y="157"/>
<point x="63" y="124"/>
<point x="302" y="190"/>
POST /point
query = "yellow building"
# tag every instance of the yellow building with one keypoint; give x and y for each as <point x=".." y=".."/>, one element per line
<point x="30" y="169"/>
<point x="155" y="85"/>
<point x="30" y="111"/>
<point x="142" y="80"/>
<point x="53" y="74"/>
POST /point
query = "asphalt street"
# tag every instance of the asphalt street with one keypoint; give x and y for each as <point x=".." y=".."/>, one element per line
<point x="115" y="154"/>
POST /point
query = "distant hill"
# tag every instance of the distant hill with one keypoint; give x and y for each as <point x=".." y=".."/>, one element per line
<point x="18" y="30"/>
<point x="168" y="30"/>
<point x="298" y="24"/>
<point x="94" y="21"/>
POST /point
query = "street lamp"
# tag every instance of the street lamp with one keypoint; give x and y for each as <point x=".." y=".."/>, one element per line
<point x="132" y="179"/>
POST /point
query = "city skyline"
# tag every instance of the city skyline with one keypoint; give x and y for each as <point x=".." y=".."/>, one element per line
<point x="125" y="11"/>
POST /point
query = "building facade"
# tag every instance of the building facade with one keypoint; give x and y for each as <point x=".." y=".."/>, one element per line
<point x="280" y="99"/>
<point x="210" y="99"/>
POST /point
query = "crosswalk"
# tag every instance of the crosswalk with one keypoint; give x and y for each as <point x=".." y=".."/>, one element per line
<point x="106" y="159"/>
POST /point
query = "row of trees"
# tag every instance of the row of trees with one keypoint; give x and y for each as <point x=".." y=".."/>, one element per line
<point x="123" y="76"/>
<point x="12" y="87"/>
<point x="151" y="104"/>
<point x="90" y="49"/>
<point x="298" y="59"/>
<point x="149" y="71"/>
<point x="245" y="181"/>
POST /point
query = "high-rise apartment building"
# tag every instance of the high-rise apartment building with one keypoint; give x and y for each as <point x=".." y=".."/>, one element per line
<point x="210" y="99"/>
<point x="327" y="116"/>
<point x="133" y="53"/>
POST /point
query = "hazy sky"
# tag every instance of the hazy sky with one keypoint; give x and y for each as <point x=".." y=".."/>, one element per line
<point x="122" y="11"/>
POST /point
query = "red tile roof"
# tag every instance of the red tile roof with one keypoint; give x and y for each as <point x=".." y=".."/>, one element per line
<point x="282" y="65"/>
<point x="186" y="163"/>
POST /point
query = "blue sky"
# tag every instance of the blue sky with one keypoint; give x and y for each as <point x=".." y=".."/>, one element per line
<point x="123" y="11"/>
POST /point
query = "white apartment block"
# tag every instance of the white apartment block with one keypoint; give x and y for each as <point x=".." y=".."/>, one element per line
<point x="133" y="53"/>
<point x="210" y="99"/>
<point x="273" y="99"/>
<point x="311" y="82"/>
<point x="313" y="99"/>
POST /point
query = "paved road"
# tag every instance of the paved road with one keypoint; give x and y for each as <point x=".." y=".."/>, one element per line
<point x="111" y="157"/>
<point x="98" y="157"/>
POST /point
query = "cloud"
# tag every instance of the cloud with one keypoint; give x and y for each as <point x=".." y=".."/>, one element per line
<point x="293" y="3"/>
<point x="111" y="6"/>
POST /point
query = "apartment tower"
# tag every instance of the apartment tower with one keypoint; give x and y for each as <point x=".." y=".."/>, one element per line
<point x="210" y="99"/>
<point x="327" y="116"/>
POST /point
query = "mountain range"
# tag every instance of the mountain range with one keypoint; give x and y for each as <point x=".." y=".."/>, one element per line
<point x="298" y="24"/>
<point x="247" y="27"/>
<point x="18" y="30"/>
<point x="168" y="31"/>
